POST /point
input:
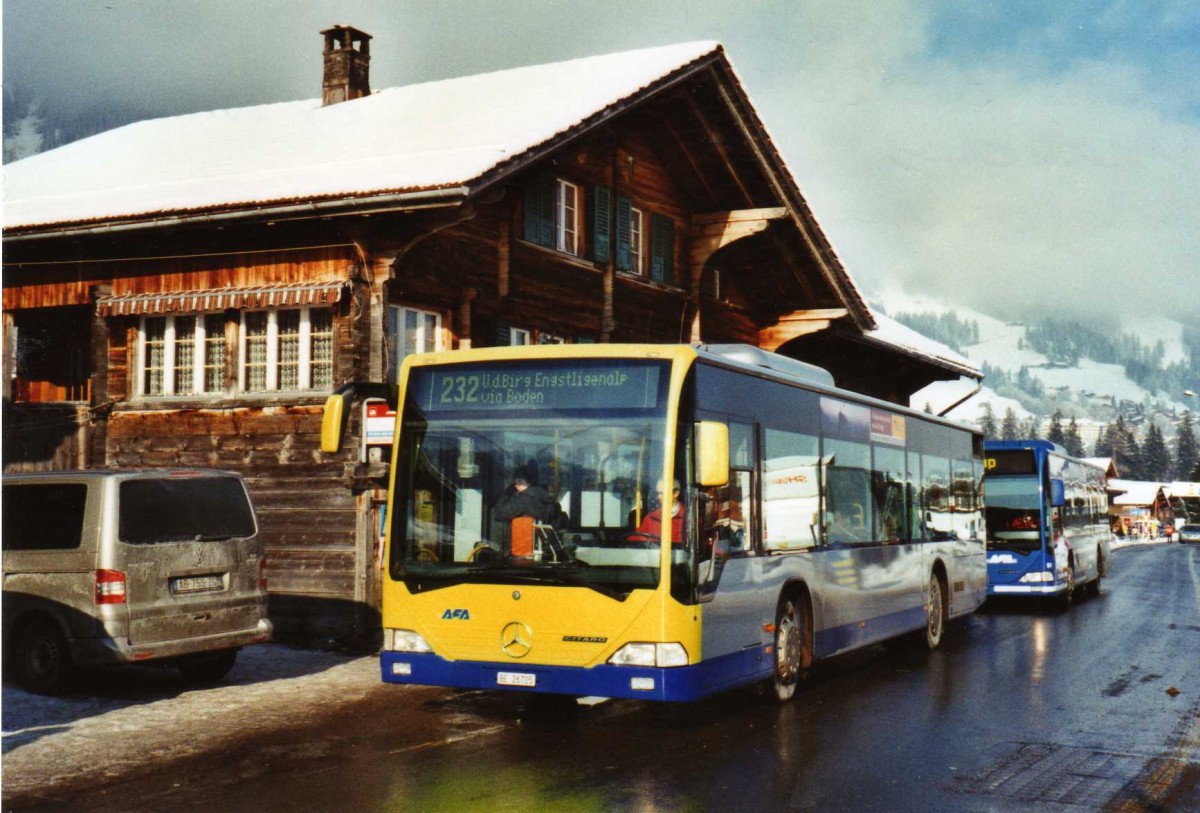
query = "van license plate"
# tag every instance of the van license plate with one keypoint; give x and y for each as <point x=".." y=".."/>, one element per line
<point x="516" y="679"/>
<point x="196" y="584"/>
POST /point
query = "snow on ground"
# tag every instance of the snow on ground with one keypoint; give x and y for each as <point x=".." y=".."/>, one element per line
<point x="1000" y="345"/>
<point x="1093" y="378"/>
<point x="117" y="720"/>
<point x="1149" y="331"/>
<point x="940" y="394"/>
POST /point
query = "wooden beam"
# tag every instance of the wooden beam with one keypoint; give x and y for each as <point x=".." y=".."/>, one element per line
<point x="713" y="231"/>
<point x="502" y="264"/>
<point x="793" y="265"/>
<point x="800" y="323"/>
<point x="687" y="154"/>
<point x="716" y="141"/>
<point x="464" y="318"/>
<point x="739" y="216"/>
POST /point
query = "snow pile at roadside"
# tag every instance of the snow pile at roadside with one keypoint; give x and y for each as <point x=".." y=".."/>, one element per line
<point x="123" y="718"/>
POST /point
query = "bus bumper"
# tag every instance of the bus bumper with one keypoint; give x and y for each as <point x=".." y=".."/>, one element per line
<point x="1026" y="589"/>
<point x="682" y="683"/>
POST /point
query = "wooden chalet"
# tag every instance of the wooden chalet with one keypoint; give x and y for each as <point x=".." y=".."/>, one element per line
<point x="186" y="291"/>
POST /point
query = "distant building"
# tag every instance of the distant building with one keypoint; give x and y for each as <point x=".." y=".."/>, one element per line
<point x="1140" y="507"/>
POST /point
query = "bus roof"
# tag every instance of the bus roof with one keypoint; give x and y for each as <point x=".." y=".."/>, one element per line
<point x="745" y="357"/>
<point x="1037" y="445"/>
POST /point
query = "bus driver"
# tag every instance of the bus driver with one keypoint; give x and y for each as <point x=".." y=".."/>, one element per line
<point x="652" y="522"/>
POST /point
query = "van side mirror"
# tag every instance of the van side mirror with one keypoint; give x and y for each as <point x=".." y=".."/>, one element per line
<point x="712" y="453"/>
<point x="1058" y="494"/>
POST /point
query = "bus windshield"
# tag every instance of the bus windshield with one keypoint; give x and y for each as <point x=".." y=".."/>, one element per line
<point x="1014" y="513"/>
<point x="530" y="472"/>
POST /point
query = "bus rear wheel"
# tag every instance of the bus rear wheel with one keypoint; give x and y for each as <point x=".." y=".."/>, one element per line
<point x="935" y="613"/>
<point x="1093" y="587"/>
<point x="789" y="648"/>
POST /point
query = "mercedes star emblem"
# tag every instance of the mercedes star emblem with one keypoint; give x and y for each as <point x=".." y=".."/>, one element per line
<point x="516" y="639"/>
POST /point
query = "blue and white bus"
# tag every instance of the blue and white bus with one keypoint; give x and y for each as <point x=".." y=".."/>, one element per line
<point x="1047" y="520"/>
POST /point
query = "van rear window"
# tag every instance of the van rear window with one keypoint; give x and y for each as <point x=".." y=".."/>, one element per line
<point x="202" y="509"/>
<point x="43" y="516"/>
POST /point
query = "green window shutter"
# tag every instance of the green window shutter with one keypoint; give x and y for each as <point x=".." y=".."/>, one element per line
<point x="539" y="210"/>
<point x="601" y="223"/>
<point x="624" y="234"/>
<point x="503" y="335"/>
<point x="662" y="249"/>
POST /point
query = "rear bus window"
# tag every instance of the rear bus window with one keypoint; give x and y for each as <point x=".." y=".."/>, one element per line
<point x="201" y="509"/>
<point x="43" y="517"/>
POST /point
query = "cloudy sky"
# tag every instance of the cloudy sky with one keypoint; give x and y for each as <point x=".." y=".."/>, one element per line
<point x="994" y="150"/>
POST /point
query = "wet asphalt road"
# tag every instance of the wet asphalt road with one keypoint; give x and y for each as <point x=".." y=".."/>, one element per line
<point x="1095" y="708"/>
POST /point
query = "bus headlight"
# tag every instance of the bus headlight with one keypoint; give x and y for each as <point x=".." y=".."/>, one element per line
<point x="1038" y="576"/>
<point x="660" y="655"/>
<point x="404" y="641"/>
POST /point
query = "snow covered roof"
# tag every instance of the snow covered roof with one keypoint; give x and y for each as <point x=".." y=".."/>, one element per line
<point x="1134" y="492"/>
<point x="1182" y="488"/>
<point x="1107" y="463"/>
<point x="431" y="136"/>
<point x="890" y="332"/>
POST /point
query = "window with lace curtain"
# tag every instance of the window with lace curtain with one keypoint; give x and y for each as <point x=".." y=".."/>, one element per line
<point x="181" y="355"/>
<point x="286" y="350"/>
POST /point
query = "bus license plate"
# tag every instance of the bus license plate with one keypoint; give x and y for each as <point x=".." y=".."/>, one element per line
<point x="516" y="679"/>
<point x="196" y="584"/>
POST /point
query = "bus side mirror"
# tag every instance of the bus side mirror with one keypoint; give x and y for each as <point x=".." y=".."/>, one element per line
<point x="1058" y="494"/>
<point x="333" y="422"/>
<point x="712" y="453"/>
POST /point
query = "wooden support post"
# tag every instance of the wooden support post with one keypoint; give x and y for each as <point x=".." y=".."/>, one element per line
<point x="502" y="264"/>
<point x="464" y="319"/>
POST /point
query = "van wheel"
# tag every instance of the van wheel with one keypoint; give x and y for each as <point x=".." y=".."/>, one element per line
<point x="789" y="648"/>
<point x="41" y="659"/>
<point x="935" y="613"/>
<point x="207" y="668"/>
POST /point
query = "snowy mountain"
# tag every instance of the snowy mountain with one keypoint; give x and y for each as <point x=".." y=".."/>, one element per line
<point x="1033" y="385"/>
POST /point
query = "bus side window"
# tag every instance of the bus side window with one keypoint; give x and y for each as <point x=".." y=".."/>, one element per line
<point x="726" y="512"/>
<point x="847" y="505"/>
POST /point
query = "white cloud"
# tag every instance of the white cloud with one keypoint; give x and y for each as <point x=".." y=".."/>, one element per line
<point x="999" y="178"/>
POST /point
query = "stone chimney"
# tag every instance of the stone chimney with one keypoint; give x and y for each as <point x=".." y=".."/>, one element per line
<point x="347" y="65"/>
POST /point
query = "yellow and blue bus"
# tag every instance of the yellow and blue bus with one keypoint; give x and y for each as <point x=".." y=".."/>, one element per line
<point x="1047" y="521"/>
<point x="797" y="521"/>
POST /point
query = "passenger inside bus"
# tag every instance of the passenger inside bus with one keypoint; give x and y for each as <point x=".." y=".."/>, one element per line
<point x="652" y="523"/>
<point x="534" y="516"/>
<point x="525" y="497"/>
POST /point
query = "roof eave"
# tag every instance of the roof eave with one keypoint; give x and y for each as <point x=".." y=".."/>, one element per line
<point x="935" y="361"/>
<point x="408" y="200"/>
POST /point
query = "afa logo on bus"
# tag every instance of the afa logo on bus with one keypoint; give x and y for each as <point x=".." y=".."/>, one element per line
<point x="456" y="615"/>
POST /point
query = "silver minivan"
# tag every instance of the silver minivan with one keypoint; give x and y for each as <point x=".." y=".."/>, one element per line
<point x="107" y="567"/>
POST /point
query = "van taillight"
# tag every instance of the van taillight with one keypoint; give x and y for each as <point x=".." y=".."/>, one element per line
<point x="262" y="573"/>
<point x="110" y="587"/>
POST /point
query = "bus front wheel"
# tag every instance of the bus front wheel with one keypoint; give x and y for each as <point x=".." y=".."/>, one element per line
<point x="935" y="613"/>
<point x="789" y="647"/>
<point x="1069" y="596"/>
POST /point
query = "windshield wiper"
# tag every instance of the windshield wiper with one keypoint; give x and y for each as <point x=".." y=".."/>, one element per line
<point x="567" y="573"/>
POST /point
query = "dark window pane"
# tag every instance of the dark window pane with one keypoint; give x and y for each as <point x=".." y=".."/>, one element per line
<point x="184" y="509"/>
<point x="43" y="517"/>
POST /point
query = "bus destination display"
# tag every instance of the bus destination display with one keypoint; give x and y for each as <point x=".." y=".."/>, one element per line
<point x="573" y="385"/>
<point x="1009" y="461"/>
